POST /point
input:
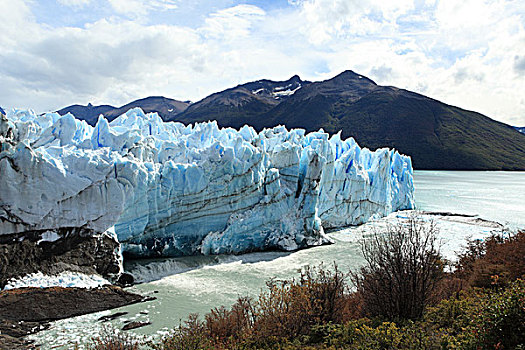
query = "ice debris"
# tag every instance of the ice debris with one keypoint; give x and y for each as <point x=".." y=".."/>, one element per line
<point x="63" y="279"/>
<point x="168" y="189"/>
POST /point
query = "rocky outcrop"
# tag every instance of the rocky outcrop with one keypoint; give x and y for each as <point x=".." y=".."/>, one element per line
<point x="55" y="303"/>
<point x="55" y="251"/>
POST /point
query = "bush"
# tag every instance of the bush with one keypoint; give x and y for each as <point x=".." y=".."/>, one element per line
<point x="286" y="311"/>
<point x="398" y="282"/>
<point x="291" y="308"/>
<point x="190" y="335"/>
<point x="500" y="324"/>
<point x="111" y="339"/>
<point x="367" y="334"/>
<point x="224" y="325"/>
<point x="482" y="318"/>
<point x="402" y="269"/>
<point x="494" y="262"/>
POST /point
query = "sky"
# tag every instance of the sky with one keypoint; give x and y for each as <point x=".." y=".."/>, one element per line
<point x="468" y="53"/>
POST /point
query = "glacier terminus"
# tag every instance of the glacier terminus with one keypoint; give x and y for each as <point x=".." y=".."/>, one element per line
<point x="167" y="189"/>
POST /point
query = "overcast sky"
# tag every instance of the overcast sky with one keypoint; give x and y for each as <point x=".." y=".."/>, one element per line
<point x="469" y="53"/>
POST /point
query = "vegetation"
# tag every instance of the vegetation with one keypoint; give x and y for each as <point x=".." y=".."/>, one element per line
<point x="481" y="305"/>
<point x="402" y="270"/>
<point x="110" y="339"/>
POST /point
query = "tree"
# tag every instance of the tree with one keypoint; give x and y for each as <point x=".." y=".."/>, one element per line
<point x="403" y="266"/>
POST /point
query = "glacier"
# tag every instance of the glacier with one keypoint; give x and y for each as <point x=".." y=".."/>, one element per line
<point x="169" y="189"/>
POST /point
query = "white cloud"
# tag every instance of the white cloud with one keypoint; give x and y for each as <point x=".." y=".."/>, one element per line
<point x="430" y="47"/>
<point x="75" y="3"/>
<point x="137" y="8"/>
<point x="129" y="7"/>
<point x="16" y="20"/>
<point x="233" y="22"/>
<point x="466" y="53"/>
<point x="329" y="19"/>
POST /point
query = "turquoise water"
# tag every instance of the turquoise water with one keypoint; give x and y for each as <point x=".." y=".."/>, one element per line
<point x="197" y="284"/>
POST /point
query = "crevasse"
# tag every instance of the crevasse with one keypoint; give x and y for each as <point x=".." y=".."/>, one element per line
<point x="168" y="189"/>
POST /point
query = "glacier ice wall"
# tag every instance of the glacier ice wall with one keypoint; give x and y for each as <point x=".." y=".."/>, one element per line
<point x="170" y="189"/>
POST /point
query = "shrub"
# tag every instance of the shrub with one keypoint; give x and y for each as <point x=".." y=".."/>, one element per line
<point x="224" y="325"/>
<point x="402" y="268"/>
<point x="494" y="262"/>
<point x="291" y="308"/>
<point x="368" y="334"/>
<point x="482" y="318"/>
<point x="287" y="310"/>
<point x="111" y="339"/>
<point x="190" y="335"/>
<point x="500" y="324"/>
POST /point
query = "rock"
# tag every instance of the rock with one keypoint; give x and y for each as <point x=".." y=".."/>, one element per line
<point x="19" y="329"/>
<point x="49" y="304"/>
<point x="12" y="333"/>
<point x="112" y="316"/>
<point x="12" y="343"/>
<point x="125" y="279"/>
<point x="70" y="249"/>
<point x="135" y="324"/>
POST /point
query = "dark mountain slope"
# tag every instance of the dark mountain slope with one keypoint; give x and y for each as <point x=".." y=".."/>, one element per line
<point x="435" y="135"/>
<point x="166" y="107"/>
<point x="242" y="104"/>
<point x="88" y="113"/>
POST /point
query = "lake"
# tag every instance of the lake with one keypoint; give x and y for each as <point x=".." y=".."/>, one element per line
<point x="197" y="284"/>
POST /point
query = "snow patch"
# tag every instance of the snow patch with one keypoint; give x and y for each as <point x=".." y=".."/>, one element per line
<point x="284" y="91"/>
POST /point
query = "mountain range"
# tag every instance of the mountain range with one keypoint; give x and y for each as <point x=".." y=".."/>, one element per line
<point x="165" y="107"/>
<point x="434" y="134"/>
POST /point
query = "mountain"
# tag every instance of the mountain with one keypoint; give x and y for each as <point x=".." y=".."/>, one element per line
<point x="522" y="129"/>
<point x="88" y="113"/>
<point x="243" y="104"/>
<point x="434" y="134"/>
<point x="2" y="111"/>
<point x="165" y="107"/>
